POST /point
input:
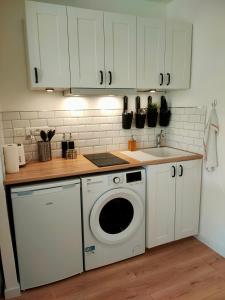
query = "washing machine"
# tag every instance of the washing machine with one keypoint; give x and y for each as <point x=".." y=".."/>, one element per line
<point x="113" y="217"/>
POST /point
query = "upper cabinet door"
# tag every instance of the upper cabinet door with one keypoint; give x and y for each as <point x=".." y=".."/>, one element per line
<point x="47" y="40"/>
<point x="86" y="47"/>
<point x="120" y="50"/>
<point x="188" y="194"/>
<point x="178" y="55"/>
<point x="150" y="52"/>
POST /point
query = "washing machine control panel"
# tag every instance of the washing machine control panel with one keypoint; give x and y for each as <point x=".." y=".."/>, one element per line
<point x="133" y="177"/>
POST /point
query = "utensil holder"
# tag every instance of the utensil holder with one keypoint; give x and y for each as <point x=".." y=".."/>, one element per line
<point x="152" y="118"/>
<point x="44" y="151"/>
<point x="140" y="120"/>
<point x="164" y="118"/>
<point x="127" y="120"/>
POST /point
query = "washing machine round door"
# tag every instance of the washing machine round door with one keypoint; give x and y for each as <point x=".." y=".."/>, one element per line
<point x="116" y="216"/>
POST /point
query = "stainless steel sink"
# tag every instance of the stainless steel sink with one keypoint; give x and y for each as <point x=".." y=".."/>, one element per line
<point x="165" y="152"/>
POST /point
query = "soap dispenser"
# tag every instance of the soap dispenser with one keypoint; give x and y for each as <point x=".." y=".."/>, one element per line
<point x="132" y="145"/>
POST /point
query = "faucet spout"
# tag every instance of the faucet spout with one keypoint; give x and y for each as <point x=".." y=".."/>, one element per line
<point x="159" y="138"/>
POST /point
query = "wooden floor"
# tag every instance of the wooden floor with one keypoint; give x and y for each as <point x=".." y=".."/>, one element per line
<point x="186" y="270"/>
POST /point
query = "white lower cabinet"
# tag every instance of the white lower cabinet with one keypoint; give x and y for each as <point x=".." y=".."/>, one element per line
<point x="173" y="201"/>
<point x="188" y="194"/>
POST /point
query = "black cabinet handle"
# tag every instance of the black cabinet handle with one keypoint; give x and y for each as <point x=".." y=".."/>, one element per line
<point x="101" y="73"/>
<point x="168" y="82"/>
<point x="181" y="170"/>
<point x="36" y="74"/>
<point x="161" y="79"/>
<point x="174" y="171"/>
<point x="110" y="77"/>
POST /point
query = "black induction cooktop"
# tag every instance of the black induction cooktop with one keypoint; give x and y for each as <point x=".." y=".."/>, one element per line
<point x="105" y="159"/>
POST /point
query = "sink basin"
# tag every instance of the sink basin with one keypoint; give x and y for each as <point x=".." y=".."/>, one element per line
<point x="155" y="153"/>
<point x="165" y="152"/>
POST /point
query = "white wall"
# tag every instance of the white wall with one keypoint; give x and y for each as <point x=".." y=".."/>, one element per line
<point x="135" y="7"/>
<point x="208" y="82"/>
<point x="14" y="92"/>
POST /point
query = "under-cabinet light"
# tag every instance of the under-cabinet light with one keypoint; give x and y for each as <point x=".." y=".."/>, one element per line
<point x="49" y="90"/>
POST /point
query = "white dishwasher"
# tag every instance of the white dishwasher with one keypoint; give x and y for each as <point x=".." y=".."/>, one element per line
<point x="47" y="222"/>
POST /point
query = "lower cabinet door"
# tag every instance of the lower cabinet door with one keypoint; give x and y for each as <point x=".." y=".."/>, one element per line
<point x="161" y="184"/>
<point x="188" y="194"/>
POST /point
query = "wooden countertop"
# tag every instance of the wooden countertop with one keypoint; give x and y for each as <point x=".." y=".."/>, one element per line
<point x="61" y="168"/>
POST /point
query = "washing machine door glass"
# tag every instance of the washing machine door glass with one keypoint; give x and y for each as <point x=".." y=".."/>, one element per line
<point x="116" y="216"/>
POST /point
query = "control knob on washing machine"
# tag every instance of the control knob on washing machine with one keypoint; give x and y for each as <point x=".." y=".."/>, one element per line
<point x="116" y="180"/>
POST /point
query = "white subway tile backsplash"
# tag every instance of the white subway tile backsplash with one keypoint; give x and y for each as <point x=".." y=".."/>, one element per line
<point x="8" y="133"/>
<point x="19" y="132"/>
<point x="46" y="114"/>
<point x="7" y="124"/>
<point x="62" y="114"/>
<point x="6" y="116"/>
<point x="105" y="141"/>
<point x="190" y="125"/>
<point x="20" y="123"/>
<point x="8" y="140"/>
<point x="70" y="121"/>
<point x="112" y="147"/>
<point x="189" y="135"/>
<point x="199" y="126"/>
<point x="86" y="150"/>
<point x="80" y="113"/>
<point x="99" y="149"/>
<point x="38" y="122"/>
<point x="55" y="122"/>
<point x="195" y="118"/>
<point x="28" y="115"/>
<point x="99" y="130"/>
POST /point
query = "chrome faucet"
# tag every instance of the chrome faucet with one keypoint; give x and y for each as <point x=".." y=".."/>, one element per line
<point x="159" y="138"/>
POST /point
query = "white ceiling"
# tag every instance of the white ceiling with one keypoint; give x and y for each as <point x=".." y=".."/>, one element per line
<point x="161" y="1"/>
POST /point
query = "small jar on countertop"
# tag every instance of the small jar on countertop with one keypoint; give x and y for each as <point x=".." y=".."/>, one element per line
<point x="132" y="145"/>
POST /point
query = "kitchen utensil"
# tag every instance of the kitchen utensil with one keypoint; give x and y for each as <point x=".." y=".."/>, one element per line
<point x="43" y="135"/>
<point x="50" y="134"/>
<point x="140" y="115"/>
<point x="126" y="117"/>
<point x="165" y="113"/>
<point x="149" y="101"/>
<point x="138" y="104"/>
<point x="125" y="104"/>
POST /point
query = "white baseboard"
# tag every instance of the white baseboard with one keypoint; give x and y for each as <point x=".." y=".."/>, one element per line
<point x="12" y="292"/>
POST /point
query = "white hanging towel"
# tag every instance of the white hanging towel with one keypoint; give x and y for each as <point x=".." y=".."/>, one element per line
<point x="210" y="141"/>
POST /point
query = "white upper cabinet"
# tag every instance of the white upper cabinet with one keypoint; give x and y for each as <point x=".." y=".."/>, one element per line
<point x="82" y="48"/>
<point x="188" y="194"/>
<point x="164" y="54"/>
<point x="86" y="47"/>
<point x="178" y="55"/>
<point x="150" y="52"/>
<point x="120" y="50"/>
<point x="47" y="40"/>
<point x="102" y="49"/>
